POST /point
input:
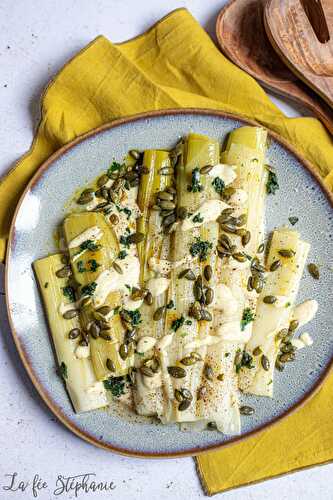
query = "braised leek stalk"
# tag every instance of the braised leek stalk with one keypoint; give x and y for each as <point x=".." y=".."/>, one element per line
<point x="158" y="177"/>
<point x="283" y="283"/>
<point x="85" y="391"/>
<point x="87" y="265"/>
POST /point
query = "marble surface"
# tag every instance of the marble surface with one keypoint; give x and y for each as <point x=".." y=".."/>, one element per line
<point x="36" y="38"/>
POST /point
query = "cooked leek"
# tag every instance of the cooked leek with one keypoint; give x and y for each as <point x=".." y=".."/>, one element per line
<point x="283" y="283"/>
<point x="85" y="391"/>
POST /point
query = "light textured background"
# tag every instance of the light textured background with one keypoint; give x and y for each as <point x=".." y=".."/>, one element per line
<point x="36" y="39"/>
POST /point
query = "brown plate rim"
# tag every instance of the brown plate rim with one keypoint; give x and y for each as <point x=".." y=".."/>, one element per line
<point x="47" y="398"/>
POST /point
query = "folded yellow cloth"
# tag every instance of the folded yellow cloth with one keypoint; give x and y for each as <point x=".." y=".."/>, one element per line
<point x="175" y="64"/>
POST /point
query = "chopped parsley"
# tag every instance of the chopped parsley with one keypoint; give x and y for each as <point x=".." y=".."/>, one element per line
<point x="116" y="385"/>
<point x="126" y="211"/>
<point x="293" y="220"/>
<point x="122" y="254"/>
<point x="198" y="218"/>
<point x="126" y="240"/>
<point x="46" y="284"/>
<point x="177" y="323"/>
<point x="114" y="167"/>
<point x="128" y="287"/>
<point x="246" y="362"/>
<point x="218" y="185"/>
<point x="188" y="322"/>
<point x="90" y="245"/>
<point x="170" y="304"/>
<point x="135" y="316"/>
<point x="200" y="248"/>
<point x="195" y="186"/>
<point x="93" y="265"/>
<point x="247" y="317"/>
<point x="63" y="370"/>
<point x="80" y="266"/>
<point x="272" y="184"/>
<point x="89" y="289"/>
<point x="226" y="354"/>
<point x="68" y="292"/>
<point x="288" y="304"/>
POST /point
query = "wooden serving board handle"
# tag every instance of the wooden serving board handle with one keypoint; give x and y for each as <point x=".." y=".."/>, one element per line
<point x="242" y="38"/>
<point x="294" y="39"/>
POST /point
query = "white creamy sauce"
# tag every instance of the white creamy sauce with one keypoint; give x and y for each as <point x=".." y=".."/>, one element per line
<point x="232" y="332"/>
<point x="225" y="172"/>
<point x="152" y="382"/>
<point x="164" y="342"/>
<point x="208" y="212"/>
<point x="145" y="344"/>
<point x="93" y="233"/>
<point x="305" y="312"/>
<point x="132" y="305"/>
<point x="110" y="280"/>
<point x="67" y="307"/>
<point x="82" y="351"/>
<point x="281" y="301"/>
<point x="224" y="300"/>
<point x="306" y="339"/>
<point x="298" y="343"/>
<point x="157" y="286"/>
<point x="239" y="198"/>
<point x="163" y="266"/>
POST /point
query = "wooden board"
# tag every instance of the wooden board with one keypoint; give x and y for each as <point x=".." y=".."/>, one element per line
<point x="242" y="38"/>
<point x="295" y="41"/>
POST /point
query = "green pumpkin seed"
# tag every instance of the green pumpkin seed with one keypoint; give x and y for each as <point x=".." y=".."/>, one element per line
<point x="182" y="213"/>
<point x="287" y="357"/>
<point x="171" y="190"/>
<point x="114" y="197"/>
<point x="246" y="238"/>
<point x="288" y="347"/>
<point x="206" y="315"/>
<point x="74" y="333"/>
<point x="114" y="219"/>
<point x="241" y="220"/>
<point x="228" y="192"/>
<point x="225" y="241"/>
<point x="288" y="338"/>
<point x="85" y="302"/>
<point x="105" y="193"/>
<point x="188" y="361"/>
<point x="260" y="286"/>
<point x="282" y="333"/>
<point x="125" y="316"/>
<point x="176" y="372"/>
<point x="104" y="335"/>
<point x="223" y="251"/>
<point x="129" y="335"/>
<point x="146" y="371"/>
<point x="279" y="366"/>
<point x="134" y="154"/>
<point x="117" y="268"/>
<point x="167" y="205"/>
<point x="211" y="426"/>
<point x="275" y="265"/>
<point x="314" y="271"/>
<point x="246" y="410"/>
<point x="64" y="272"/>
<point x="240" y="257"/>
<point x="137" y="294"/>
<point x="269" y="299"/>
<point x="184" y="405"/>
<point x="197" y="289"/>
<point x="208" y="372"/>
<point x="104" y="310"/>
<point x="250" y="284"/>
<point x="202" y="392"/>
<point x="65" y="259"/>
<point x="86" y="196"/>
<point x="158" y="314"/>
<point x="220" y="377"/>
<point x="206" y="169"/>
<point x="84" y="342"/>
<point x="102" y="180"/>
<point x="265" y="362"/>
<point x="286" y="253"/>
<point x="261" y="248"/>
<point x="257" y="351"/>
<point x="228" y="228"/>
<point x="293" y="325"/>
<point x="165" y="196"/>
<point x="72" y="313"/>
<point x="123" y="351"/>
<point x="170" y="219"/>
<point x="135" y="238"/>
<point x="186" y="394"/>
<point x="195" y="311"/>
<point x="110" y="365"/>
<point x="178" y="395"/>
<point x="208" y="272"/>
<point x="196" y="356"/>
<point x="94" y="330"/>
<point x="209" y="296"/>
<point x="148" y="299"/>
<point x="190" y="275"/>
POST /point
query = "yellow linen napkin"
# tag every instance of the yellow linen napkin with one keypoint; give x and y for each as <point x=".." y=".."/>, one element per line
<point x="175" y="64"/>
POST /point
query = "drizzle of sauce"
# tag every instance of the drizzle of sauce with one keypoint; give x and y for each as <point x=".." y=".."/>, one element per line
<point x="225" y="172"/>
